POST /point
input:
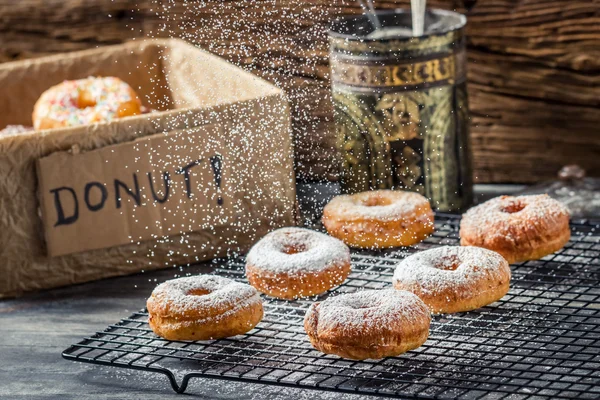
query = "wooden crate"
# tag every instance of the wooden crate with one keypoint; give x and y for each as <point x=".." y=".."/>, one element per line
<point x="534" y="66"/>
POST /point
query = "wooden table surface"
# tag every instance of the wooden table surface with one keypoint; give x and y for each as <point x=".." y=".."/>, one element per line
<point x="36" y="328"/>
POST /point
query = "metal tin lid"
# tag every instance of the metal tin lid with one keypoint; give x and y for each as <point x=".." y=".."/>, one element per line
<point x="358" y="27"/>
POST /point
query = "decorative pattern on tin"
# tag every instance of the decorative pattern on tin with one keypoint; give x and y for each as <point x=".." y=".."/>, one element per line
<point x="420" y="73"/>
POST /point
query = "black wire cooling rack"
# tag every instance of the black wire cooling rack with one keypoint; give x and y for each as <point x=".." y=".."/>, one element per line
<point x="542" y="340"/>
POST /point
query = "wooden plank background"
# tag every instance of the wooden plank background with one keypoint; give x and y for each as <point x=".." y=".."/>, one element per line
<point x="534" y="66"/>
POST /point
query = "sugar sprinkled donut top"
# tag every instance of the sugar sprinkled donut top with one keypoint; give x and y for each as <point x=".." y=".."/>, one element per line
<point x="508" y="216"/>
<point x="383" y="205"/>
<point x="205" y="294"/>
<point x="83" y="101"/>
<point x="293" y="250"/>
<point x="453" y="268"/>
<point x="369" y="312"/>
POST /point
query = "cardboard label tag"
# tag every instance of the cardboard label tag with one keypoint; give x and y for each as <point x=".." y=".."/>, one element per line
<point x="153" y="187"/>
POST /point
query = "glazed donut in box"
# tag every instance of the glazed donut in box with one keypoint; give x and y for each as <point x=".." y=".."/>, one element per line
<point x="93" y="185"/>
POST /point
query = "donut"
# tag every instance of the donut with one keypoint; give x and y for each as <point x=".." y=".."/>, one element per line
<point x="368" y="324"/>
<point x="520" y="228"/>
<point x="295" y="262"/>
<point x="379" y="219"/>
<point x="203" y="307"/>
<point x="15" y="130"/>
<point x="85" y="101"/>
<point x="452" y="279"/>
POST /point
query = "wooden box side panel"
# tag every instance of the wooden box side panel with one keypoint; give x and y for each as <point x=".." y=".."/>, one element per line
<point x="265" y="199"/>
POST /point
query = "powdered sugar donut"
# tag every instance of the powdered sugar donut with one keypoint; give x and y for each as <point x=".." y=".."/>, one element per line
<point x="85" y="101"/>
<point x="520" y="228"/>
<point x="368" y="324"/>
<point x="297" y="262"/>
<point x="452" y="279"/>
<point x="203" y="307"/>
<point x="379" y="219"/>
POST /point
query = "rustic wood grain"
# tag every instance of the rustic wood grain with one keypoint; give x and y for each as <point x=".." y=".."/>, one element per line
<point x="534" y="66"/>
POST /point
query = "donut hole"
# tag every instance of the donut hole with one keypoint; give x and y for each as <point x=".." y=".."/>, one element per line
<point x="353" y="304"/>
<point x="85" y="100"/>
<point x="294" y="248"/>
<point x="363" y="307"/>
<point x="376" y="201"/>
<point x="198" y="292"/>
<point x="512" y="207"/>
<point x="356" y="307"/>
<point x="450" y="263"/>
